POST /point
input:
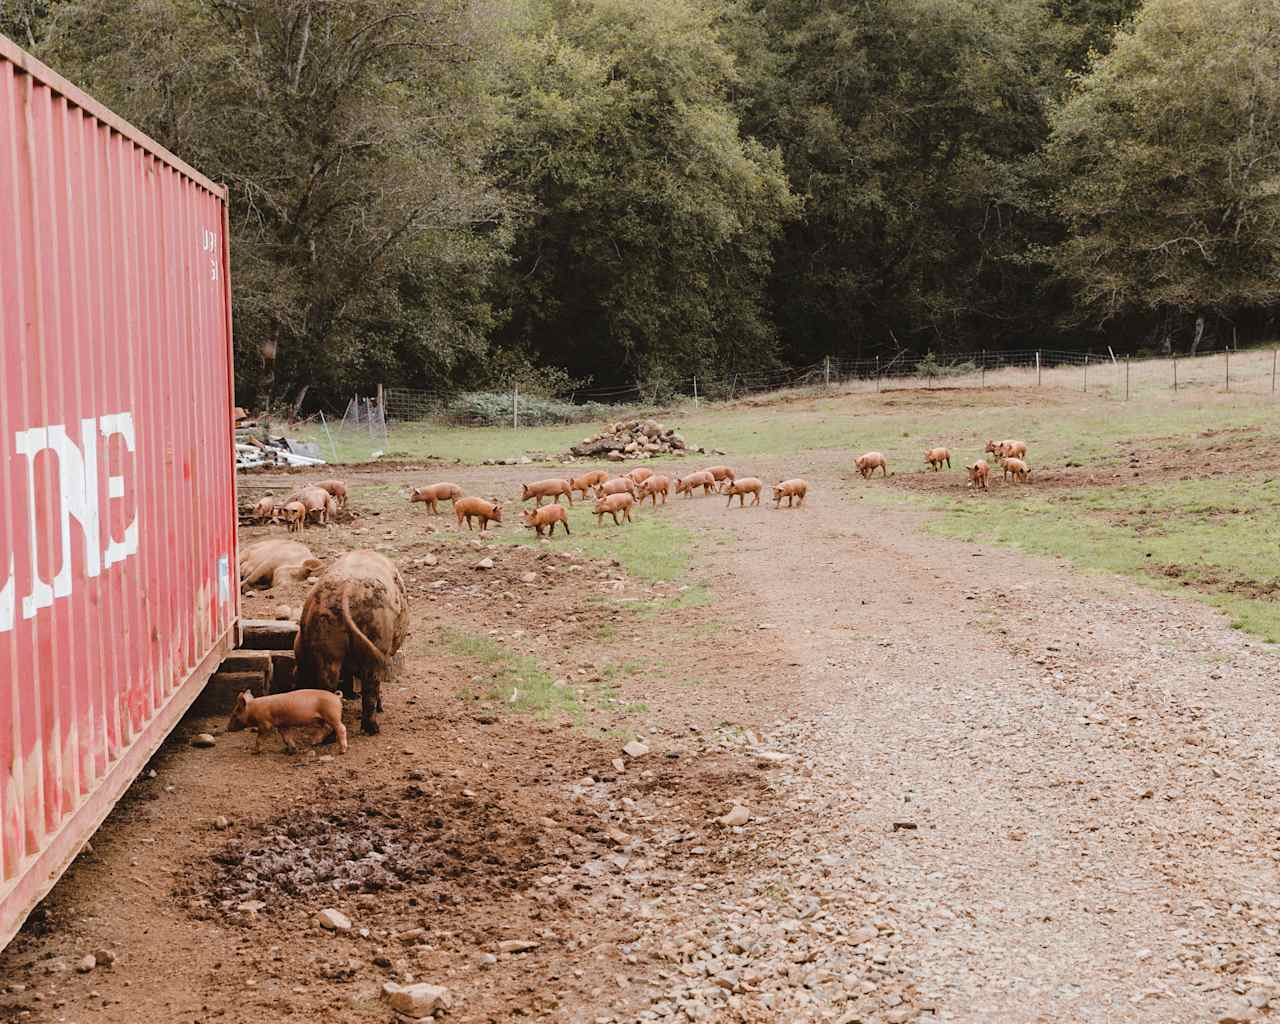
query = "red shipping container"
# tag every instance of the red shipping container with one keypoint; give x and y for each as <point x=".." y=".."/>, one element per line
<point x="118" y="579"/>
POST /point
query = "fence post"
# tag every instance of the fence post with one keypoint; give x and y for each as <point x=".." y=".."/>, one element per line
<point x="1126" y="378"/>
<point x="332" y="447"/>
<point x="1273" y="371"/>
<point x="982" y="368"/>
<point x="877" y="373"/>
<point x="1175" y="373"/>
<point x="515" y="406"/>
<point x="826" y="373"/>
<point x="1086" y="373"/>
<point x="368" y="414"/>
<point x="1227" y="353"/>
<point x="695" y="392"/>
<point x="1037" y="367"/>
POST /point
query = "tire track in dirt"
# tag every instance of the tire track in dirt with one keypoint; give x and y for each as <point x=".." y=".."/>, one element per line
<point x="1089" y="766"/>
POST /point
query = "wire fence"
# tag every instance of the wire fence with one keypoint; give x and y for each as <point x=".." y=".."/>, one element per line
<point x="370" y="422"/>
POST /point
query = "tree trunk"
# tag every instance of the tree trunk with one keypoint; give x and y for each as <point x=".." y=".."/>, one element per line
<point x="297" y="402"/>
<point x="1195" y="342"/>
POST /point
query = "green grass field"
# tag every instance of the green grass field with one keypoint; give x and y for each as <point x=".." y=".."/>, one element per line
<point x="1215" y="539"/>
<point x="650" y="547"/>
<point x="1060" y="425"/>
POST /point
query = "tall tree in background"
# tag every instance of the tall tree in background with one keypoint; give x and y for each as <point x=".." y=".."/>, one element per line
<point x="352" y="134"/>
<point x="647" y="244"/>
<point x="1169" y="158"/>
<point x="907" y="126"/>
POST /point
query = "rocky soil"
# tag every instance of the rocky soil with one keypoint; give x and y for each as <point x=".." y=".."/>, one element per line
<point x="882" y="778"/>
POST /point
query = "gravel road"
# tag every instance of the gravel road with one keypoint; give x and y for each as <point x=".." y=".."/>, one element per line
<point x="1021" y="793"/>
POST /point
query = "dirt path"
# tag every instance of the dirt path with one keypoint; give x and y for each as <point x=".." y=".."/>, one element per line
<point x="982" y="787"/>
<point x="1086" y="768"/>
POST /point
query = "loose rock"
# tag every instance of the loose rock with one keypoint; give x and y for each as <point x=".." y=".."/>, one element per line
<point x="333" y="920"/>
<point x="203" y="739"/>
<point x="416" y="1001"/>
<point x="738" y="816"/>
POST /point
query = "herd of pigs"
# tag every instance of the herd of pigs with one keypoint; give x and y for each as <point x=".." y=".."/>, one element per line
<point x="356" y="616"/>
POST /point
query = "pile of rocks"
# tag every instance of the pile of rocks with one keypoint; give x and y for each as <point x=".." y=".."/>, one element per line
<point x="631" y="439"/>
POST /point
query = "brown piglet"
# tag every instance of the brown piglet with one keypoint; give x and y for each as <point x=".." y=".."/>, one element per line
<point x="299" y="709"/>
<point x="792" y="490"/>
<point x="617" y="485"/>
<point x="935" y="457"/>
<point x="433" y="493"/>
<point x="539" y="519"/>
<point x="978" y="474"/>
<point x="867" y="464"/>
<point x="588" y="481"/>
<point x="1018" y="468"/>
<point x="477" y="508"/>
<point x="551" y="489"/>
<point x="612" y="504"/>
<point x="337" y="488"/>
<point x="741" y="488"/>
<point x="688" y="484"/>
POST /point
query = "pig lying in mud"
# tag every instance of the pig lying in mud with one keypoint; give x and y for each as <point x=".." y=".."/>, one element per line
<point x="353" y="622"/>
<point x="270" y="563"/>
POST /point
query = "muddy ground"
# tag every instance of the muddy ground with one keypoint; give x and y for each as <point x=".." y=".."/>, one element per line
<point x="982" y="787"/>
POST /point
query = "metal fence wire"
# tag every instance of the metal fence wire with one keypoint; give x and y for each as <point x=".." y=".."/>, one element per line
<point x="1106" y="375"/>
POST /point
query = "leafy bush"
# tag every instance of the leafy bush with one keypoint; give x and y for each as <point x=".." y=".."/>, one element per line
<point x="930" y="367"/>
<point x="494" y="409"/>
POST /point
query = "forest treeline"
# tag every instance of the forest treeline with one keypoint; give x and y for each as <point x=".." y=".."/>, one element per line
<point x="465" y="193"/>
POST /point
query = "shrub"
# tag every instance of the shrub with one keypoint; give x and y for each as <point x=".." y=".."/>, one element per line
<point x="494" y="409"/>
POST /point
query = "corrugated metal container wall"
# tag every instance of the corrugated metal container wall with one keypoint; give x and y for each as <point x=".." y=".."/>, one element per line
<point x="118" y="578"/>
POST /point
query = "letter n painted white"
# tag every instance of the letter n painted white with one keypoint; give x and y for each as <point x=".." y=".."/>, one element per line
<point x="77" y="497"/>
<point x="30" y="443"/>
<point x="117" y="551"/>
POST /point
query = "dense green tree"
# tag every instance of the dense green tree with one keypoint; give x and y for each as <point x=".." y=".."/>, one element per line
<point x="352" y="135"/>
<point x="907" y="126"/>
<point x="647" y="242"/>
<point x="1169" y="159"/>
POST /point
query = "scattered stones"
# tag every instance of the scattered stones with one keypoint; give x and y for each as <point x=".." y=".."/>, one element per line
<point x="630" y="439"/>
<point x="221" y="823"/>
<point x="904" y="826"/>
<point x="484" y="563"/>
<point x="416" y="1001"/>
<point x="528" y="577"/>
<point x="333" y="920"/>
<point x="86" y="963"/>
<point x="517" y="946"/>
<point x="770" y="756"/>
<point x="203" y="740"/>
<point x="635" y="749"/>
